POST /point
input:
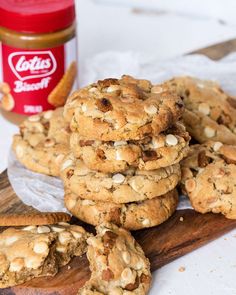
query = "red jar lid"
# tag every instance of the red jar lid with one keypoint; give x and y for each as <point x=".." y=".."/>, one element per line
<point x="36" y="16"/>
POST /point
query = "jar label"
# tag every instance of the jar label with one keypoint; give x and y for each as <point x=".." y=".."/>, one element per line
<point x="32" y="74"/>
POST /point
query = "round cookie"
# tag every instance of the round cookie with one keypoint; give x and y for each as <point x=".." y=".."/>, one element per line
<point x="151" y="153"/>
<point x="130" y="186"/>
<point x="43" y="142"/>
<point x="123" y="109"/>
<point x="208" y="177"/>
<point x="210" y="112"/>
<point x="117" y="262"/>
<point x="133" y="216"/>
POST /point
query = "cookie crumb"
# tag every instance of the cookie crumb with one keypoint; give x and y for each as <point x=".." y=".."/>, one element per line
<point x="182" y="269"/>
<point x="181" y="219"/>
<point x="68" y="267"/>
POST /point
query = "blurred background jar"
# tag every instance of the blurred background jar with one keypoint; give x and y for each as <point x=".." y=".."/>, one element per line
<point x="38" y="48"/>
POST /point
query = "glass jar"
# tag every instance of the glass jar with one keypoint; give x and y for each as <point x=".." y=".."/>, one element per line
<point x="38" y="44"/>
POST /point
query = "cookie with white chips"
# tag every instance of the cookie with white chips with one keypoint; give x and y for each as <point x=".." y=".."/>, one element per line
<point x="117" y="262"/>
<point x="34" y="251"/>
<point x="208" y="178"/>
<point x="43" y="142"/>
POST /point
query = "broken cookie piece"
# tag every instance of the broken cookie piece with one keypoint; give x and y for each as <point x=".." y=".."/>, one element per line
<point x="117" y="262"/>
<point x="35" y="251"/>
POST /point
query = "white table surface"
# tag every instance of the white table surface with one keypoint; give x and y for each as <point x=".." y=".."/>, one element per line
<point x="212" y="268"/>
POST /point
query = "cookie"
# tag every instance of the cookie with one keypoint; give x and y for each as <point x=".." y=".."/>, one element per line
<point x="210" y="112"/>
<point x="129" y="186"/>
<point x="133" y="216"/>
<point x="43" y="142"/>
<point x="208" y="177"/>
<point x="35" y="251"/>
<point x="151" y="153"/>
<point x="121" y="109"/>
<point x="117" y="262"/>
<point x="43" y="218"/>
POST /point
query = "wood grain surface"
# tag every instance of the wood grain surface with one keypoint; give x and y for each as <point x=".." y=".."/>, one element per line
<point x="162" y="244"/>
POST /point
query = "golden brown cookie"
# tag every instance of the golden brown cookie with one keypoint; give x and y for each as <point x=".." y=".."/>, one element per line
<point x="121" y="109"/>
<point x="133" y="216"/>
<point x="129" y="186"/>
<point x="208" y="177"/>
<point x="117" y="262"/>
<point x="151" y="153"/>
<point x="43" y="218"/>
<point x="43" y="142"/>
<point x="34" y="251"/>
<point x="210" y="112"/>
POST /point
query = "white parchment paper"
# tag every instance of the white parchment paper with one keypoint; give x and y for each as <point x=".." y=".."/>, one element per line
<point x="45" y="193"/>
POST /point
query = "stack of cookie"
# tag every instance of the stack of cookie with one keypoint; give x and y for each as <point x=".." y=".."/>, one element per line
<point x="126" y="144"/>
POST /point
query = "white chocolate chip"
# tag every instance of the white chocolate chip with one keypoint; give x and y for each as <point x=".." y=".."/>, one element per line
<point x="66" y="164"/>
<point x="113" y="88"/>
<point x="146" y="222"/>
<point x="119" y="156"/>
<point x="19" y="151"/>
<point x="151" y="109"/>
<point x="171" y="139"/>
<point x="70" y="203"/>
<point x="61" y="249"/>
<point x="84" y="108"/>
<point x="118" y="178"/>
<point x="32" y="262"/>
<point x="64" y="237"/>
<point x="157" y="143"/>
<point x="139" y="265"/>
<point x="16" y="265"/>
<point x="119" y="143"/>
<point x="217" y="146"/>
<point x="204" y="108"/>
<point x="40" y="247"/>
<point x="126" y="257"/>
<point x="34" y="118"/>
<point x="11" y="240"/>
<point x="59" y="159"/>
<point x="92" y="241"/>
<point x="87" y="202"/>
<point x="47" y="115"/>
<point x="29" y="228"/>
<point x="93" y="89"/>
<point x="66" y="224"/>
<point x="76" y="234"/>
<point x="157" y="89"/>
<point x="126" y="274"/>
<point x="57" y="229"/>
<point x="209" y="132"/>
<point x="43" y="229"/>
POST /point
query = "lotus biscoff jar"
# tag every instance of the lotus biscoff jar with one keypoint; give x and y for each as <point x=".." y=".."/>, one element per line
<point x="38" y="46"/>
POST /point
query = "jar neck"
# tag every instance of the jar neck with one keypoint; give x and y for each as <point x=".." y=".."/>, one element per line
<point x="36" y="41"/>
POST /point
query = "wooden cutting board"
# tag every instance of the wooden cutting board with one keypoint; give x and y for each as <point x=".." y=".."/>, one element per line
<point x="161" y="244"/>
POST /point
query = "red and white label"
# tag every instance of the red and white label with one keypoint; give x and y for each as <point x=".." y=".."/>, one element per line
<point x="33" y="74"/>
